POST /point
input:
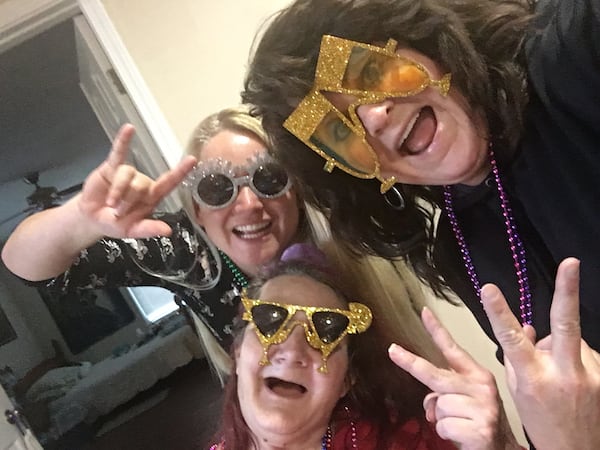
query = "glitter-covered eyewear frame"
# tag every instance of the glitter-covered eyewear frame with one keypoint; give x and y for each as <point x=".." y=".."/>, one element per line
<point x="324" y="328"/>
<point x="215" y="185"/>
<point x="366" y="74"/>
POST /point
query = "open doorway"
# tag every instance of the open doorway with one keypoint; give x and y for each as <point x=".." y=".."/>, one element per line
<point x="51" y="138"/>
<point x="49" y="129"/>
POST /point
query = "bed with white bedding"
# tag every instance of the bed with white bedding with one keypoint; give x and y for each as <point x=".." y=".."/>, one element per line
<point x="83" y="393"/>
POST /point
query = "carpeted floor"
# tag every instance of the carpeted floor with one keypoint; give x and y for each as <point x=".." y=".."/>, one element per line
<point x="133" y="411"/>
<point x="180" y="413"/>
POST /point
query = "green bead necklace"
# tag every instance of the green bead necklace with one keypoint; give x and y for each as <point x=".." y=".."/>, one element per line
<point x="238" y="275"/>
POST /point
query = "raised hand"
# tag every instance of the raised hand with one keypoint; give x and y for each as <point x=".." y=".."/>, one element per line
<point x="464" y="403"/>
<point x="118" y="199"/>
<point x="556" y="382"/>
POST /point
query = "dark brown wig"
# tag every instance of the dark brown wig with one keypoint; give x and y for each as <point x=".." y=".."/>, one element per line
<point x="480" y="44"/>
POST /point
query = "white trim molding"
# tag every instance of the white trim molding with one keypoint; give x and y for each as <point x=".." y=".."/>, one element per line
<point x="128" y="73"/>
<point x="23" y="19"/>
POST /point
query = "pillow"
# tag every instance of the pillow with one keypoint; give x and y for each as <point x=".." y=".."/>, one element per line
<point x="48" y="395"/>
<point x="54" y="383"/>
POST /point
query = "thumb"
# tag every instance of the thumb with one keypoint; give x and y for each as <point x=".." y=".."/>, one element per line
<point x="147" y="228"/>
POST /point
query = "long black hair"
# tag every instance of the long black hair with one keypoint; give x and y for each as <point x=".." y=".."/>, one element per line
<point x="479" y="44"/>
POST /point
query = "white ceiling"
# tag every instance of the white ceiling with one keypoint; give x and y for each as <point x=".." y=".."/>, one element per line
<point x="46" y="124"/>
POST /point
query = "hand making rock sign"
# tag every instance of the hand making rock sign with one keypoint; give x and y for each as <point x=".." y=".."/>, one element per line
<point x="555" y="382"/>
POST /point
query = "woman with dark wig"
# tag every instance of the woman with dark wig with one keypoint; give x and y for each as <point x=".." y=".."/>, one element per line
<point x="486" y="111"/>
<point x="328" y="383"/>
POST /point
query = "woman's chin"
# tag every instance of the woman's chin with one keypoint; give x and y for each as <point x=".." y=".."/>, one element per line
<point x="282" y="430"/>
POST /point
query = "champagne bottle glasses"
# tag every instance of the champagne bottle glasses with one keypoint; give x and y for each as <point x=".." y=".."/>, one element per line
<point x="187" y="257"/>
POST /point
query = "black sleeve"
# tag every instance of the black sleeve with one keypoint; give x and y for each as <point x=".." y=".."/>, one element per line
<point x="112" y="263"/>
<point x="563" y="54"/>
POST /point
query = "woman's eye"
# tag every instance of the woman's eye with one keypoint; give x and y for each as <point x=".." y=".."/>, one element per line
<point x="339" y="130"/>
<point x="371" y="74"/>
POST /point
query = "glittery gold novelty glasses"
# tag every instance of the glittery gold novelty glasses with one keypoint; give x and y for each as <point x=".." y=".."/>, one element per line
<point x="365" y="74"/>
<point x="324" y="329"/>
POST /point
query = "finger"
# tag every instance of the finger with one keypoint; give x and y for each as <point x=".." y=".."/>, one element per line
<point x="511" y="376"/>
<point x="429" y="405"/>
<point x="137" y="196"/>
<point x="120" y="184"/>
<point x="118" y="153"/>
<point x="171" y="179"/>
<point x="590" y="357"/>
<point x="564" y="316"/>
<point x="458" y="359"/>
<point x="436" y="379"/>
<point x="530" y="333"/>
<point x="149" y="228"/>
<point x="120" y="147"/>
<point x="544" y="344"/>
<point x="463" y="432"/>
<point x="460" y="405"/>
<point x="507" y="329"/>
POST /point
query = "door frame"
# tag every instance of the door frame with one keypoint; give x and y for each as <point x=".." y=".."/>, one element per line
<point x="23" y="19"/>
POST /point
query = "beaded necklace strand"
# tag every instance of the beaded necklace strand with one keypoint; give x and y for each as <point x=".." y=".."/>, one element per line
<point x="238" y="276"/>
<point x="327" y="439"/>
<point x="516" y="245"/>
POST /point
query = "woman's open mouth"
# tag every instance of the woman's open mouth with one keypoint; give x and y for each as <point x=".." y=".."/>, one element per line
<point x="252" y="231"/>
<point x="419" y="133"/>
<point x="284" y="388"/>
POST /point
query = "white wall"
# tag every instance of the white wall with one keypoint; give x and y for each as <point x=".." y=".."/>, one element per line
<point x="192" y="53"/>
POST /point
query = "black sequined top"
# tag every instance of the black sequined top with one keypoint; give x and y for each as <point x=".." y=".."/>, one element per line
<point x="111" y="263"/>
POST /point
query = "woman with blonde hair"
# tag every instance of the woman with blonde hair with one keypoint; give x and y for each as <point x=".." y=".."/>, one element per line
<point x="241" y="211"/>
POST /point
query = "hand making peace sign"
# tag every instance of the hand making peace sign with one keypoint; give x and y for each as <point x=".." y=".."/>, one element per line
<point x="464" y="403"/>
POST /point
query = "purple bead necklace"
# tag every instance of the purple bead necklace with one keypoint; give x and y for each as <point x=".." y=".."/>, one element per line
<point x="516" y="245"/>
<point x="327" y="440"/>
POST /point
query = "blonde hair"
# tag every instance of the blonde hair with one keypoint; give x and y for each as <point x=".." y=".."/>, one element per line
<point x="237" y="119"/>
<point x="394" y="294"/>
<point x="389" y="287"/>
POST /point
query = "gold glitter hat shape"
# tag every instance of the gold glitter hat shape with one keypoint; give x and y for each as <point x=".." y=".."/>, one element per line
<point x="369" y="74"/>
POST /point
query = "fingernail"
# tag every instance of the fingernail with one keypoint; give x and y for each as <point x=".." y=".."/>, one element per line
<point x="486" y="292"/>
<point x="395" y="349"/>
<point x="483" y="294"/>
<point x="573" y="268"/>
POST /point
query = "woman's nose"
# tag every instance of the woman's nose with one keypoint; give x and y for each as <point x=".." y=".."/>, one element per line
<point x="247" y="198"/>
<point x="375" y="116"/>
<point x="294" y="350"/>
